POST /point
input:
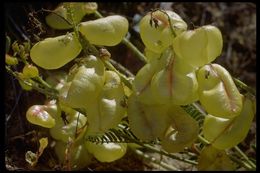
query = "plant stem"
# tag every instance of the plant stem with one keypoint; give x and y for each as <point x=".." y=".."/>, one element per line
<point x="198" y="107"/>
<point x="122" y="77"/>
<point x="121" y="68"/>
<point x="52" y="93"/>
<point x="98" y="14"/>
<point x="240" y="162"/>
<point x="152" y="159"/>
<point x="245" y="156"/>
<point x="23" y="135"/>
<point x="45" y="84"/>
<point x="71" y="15"/>
<point x="134" y="50"/>
<point x="168" y="154"/>
<point x="151" y="148"/>
<point x="203" y="140"/>
<point x="242" y="85"/>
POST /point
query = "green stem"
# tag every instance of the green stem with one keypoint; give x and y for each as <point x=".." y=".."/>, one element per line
<point x="245" y="156"/>
<point x="71" y="15"/>
<point x="121" y="68"/>
<point x="45" y="84"/>
<point x="124" y="79"/>
<point x="242" y="85"/>
<point x="52" y="93"/>
<point x="203" y="140"/>
<point x="198" y="107"/>
<point x="167" y="154"/>
<point x="152" y="159"/>
<point x="134" y="50"/>
<point x="98" y="14"/>
<point x="23" y="135"/>
<point x="151" y="148"/>
<point x="240" y="162"/>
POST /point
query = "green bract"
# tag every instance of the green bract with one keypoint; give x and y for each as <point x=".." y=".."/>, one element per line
<point x="218" y="93"/>
<point x="85" y="84"/>
<point x="57" y="79"/>
<point x="38" y="115"/>
<point x="57" y="18"/>
<point x="171" y="86"/>
<point x="213" y="159"/>
<point x="107" y="110"/>
<point x="107" y="31"/>
<point x="227" y="133"/>
<point x="107" y="152"/>
<point x="62" y="130"/>
<point x="53" y="53"/>
<point x="159" y="37"/>
<point x="100" y="93"/>
<point x="182" y="67"/>
<point x="151" y="55"/>
<point x="77" y="153"/>
<point x="147" y="122"/>
<point x="142" y="84"/>
<point x="52" y="108"/>
<point x="200" y="46"/>
<point x="182" y="132"/>
<point x="165" y="79"/>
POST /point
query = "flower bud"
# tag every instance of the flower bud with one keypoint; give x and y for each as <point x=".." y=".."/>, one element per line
<point x="10" y="60"/>
<point x="30" y="71"/>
